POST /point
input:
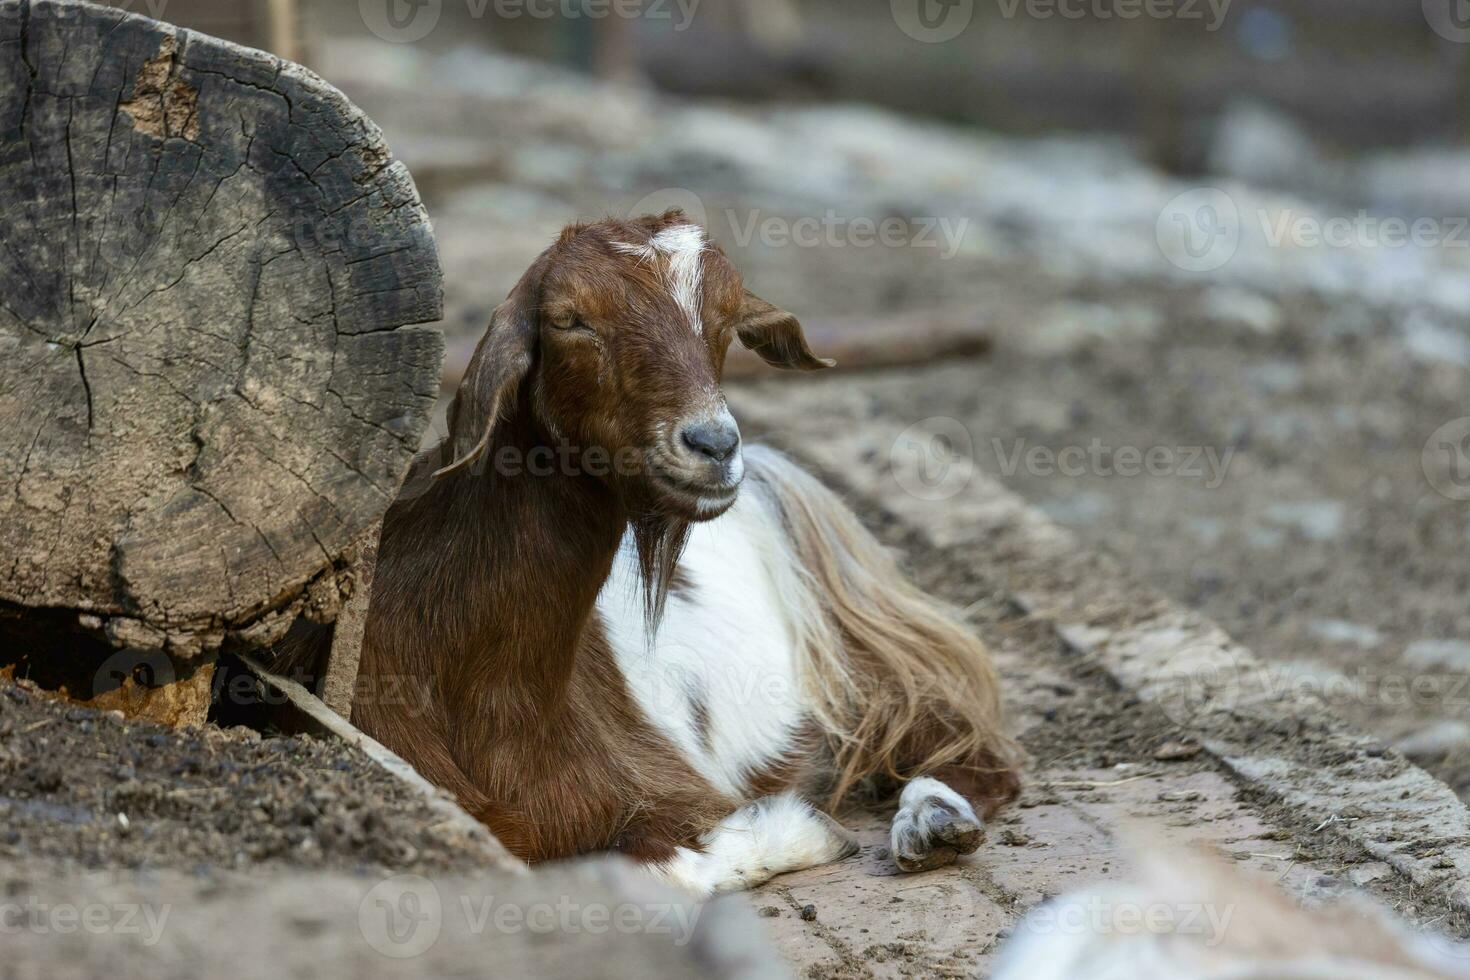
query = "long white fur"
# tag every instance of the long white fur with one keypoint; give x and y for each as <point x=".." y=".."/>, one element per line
<point x="754" y="844"/>
<point x="733" y="644"/>
<point x="730" y="644"/>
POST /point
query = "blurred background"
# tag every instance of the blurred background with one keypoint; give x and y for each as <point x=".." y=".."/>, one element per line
<point x="1231" y="237"/>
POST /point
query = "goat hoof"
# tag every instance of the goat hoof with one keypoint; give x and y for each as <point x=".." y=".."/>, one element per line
<point x="844" y="841"/>
<point x="933" y="830"/>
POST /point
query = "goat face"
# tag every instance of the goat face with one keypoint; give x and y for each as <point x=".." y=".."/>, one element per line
<point x="616" y="338"/>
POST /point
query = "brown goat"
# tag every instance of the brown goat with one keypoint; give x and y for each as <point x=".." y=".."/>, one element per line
<point x="624" y="649"/>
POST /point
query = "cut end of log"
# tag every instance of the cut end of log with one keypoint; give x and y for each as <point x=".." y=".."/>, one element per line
<point x="212" y="370"/>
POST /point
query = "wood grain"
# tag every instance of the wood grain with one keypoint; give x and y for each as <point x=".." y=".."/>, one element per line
<point x="211" y="381"/>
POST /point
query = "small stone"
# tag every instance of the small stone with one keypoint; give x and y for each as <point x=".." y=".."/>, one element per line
<point x="1435" y="741"/>
<point x="1241" y="307"/>
<point x="1176" y="751"/>
<point x="808" y="913"/>
<point x="1450" y="654"/>
<point x="1181" y="796"/>
<point x="1315" y="520"/>
<point x="1341" y="631"/>
<point x="1366" y="873"/>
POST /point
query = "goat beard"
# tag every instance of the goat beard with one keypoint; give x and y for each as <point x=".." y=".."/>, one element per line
<point x="660" y="541"/>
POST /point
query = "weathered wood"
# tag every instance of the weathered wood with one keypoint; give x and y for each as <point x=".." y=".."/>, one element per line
<point x="210" y="385"/>
<point x="339" y="681"/>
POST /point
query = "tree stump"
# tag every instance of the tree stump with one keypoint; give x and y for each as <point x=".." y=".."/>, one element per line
<point x="210" y="381"/>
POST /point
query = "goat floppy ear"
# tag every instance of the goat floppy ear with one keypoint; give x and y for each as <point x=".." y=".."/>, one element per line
<point x="776" y="336"/>
<point x="501" y="361"/>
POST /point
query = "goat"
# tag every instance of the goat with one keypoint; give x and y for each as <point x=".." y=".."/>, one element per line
<point x="637" y="637"/>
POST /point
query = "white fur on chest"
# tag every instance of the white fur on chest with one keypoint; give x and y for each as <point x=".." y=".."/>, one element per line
<point x="725" y="644"/>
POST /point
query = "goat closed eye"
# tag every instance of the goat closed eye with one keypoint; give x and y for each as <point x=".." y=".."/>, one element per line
<point x="573" y="324"/>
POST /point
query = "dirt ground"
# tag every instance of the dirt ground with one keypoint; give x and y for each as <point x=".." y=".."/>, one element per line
<point x="250" y="814"/>
<point x="1322" y="543"/>
<point x="82" y="790"/>
<point x="1109" y="774"/>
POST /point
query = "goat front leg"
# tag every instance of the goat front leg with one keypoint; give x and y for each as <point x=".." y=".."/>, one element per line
<point x="933" y="827"/>
<point x="942" y="814"/>
<point x="771" y="836"/>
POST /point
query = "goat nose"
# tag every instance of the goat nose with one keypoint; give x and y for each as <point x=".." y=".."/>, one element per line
<point x="717" y="440"/>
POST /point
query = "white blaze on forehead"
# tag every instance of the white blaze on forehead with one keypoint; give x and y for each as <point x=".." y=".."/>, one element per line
<point x="682" y="246"/>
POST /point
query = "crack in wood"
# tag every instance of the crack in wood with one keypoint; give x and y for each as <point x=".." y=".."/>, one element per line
<point x="146" y="219"/>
